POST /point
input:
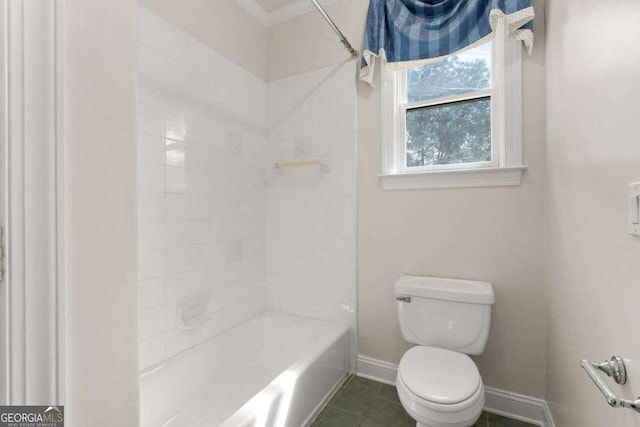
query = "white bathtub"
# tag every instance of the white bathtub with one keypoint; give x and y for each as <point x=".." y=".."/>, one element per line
<point x="275" y="370"/>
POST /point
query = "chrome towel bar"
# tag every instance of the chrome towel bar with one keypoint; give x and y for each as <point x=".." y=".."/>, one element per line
<point x="615" y="369"/>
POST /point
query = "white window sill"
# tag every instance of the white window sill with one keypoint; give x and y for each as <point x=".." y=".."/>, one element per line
<point x="462" y="178"/>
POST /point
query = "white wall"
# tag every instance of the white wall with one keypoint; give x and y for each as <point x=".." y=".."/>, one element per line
<point x="306" y="43"/>
<point x="492" y="234"/>
<point x="593" y="153"/>
<point x="201" y="160"/>
<point x="224" y="26"/>
<point x="100" y="62"/>
<point x="311" y="211"/>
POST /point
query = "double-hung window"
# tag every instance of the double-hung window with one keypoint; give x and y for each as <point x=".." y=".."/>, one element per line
<point x="455" y="122"/>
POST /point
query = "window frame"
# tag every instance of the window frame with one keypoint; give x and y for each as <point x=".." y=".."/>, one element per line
<point x="401" y="141"/>
<point x="505" y="167"/>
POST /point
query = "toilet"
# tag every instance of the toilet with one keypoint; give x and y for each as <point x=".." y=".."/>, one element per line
<point x="438" y="384"/>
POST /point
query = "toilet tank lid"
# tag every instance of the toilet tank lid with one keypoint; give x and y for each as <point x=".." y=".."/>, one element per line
<point x="469" y="291"/>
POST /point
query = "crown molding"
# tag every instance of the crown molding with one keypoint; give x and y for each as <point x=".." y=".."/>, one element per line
<point x="254" y="8"/>
<point x="280" y="14"/>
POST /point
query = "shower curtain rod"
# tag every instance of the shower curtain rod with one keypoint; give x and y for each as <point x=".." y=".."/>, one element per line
<point x="343" y="39"/>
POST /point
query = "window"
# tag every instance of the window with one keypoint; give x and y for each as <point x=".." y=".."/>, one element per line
<point x="446" y="113"/>
<point x="455" y="122"/>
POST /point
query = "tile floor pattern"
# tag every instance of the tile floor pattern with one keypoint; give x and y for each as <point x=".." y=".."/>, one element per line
<point x="366" y="403"/>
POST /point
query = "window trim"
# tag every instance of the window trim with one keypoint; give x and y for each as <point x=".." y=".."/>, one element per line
<point x="506" y="166"/>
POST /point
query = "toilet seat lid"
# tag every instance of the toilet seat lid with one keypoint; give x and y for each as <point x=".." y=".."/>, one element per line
<point x="438" y="375"/>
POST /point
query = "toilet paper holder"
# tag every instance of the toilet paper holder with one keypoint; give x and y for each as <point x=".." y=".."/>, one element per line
<point x="615" y="369"/>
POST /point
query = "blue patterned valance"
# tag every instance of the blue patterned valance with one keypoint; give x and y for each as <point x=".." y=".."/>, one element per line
<point x="415" y="32"/>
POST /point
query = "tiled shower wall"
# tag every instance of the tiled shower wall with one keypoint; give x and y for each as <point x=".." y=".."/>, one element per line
<point x="217" y="221"/>
<point x="202" y="159"/>
<point x="311" y="211"/>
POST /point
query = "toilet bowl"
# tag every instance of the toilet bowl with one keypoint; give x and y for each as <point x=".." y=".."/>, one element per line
<point x="438" y="384"/>
<point x="439" y="387"/>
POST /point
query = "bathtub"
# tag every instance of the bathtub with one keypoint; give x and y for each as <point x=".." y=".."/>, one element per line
<point x="275" y="370"/>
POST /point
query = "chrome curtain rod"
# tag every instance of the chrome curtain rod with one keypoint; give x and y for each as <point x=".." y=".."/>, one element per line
<point x="343" y="39"/>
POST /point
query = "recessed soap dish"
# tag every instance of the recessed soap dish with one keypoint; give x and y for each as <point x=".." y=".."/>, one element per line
<point x="191" y="313"/>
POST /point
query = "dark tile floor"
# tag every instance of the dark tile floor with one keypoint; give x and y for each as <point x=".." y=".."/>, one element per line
<point x="366" y="403"/>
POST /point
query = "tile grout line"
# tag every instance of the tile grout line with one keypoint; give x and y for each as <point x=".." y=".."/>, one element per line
<point x="375" y="393"/>
<point x="336" y="395"/>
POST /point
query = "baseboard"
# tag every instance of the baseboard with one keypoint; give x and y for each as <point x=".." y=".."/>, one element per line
<point x="500" y="402"/>
<point x="377" y="370"/>
<point x="517" y="406"/>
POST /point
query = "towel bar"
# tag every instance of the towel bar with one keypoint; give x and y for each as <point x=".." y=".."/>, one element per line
<point x="281" y="164"/>
<point x="614" y="368"/>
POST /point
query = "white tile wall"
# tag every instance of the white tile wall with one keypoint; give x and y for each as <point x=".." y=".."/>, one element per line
<point x="202" y="206"/>
<point x="311" y="212"/>
<point x="217" y="222"/>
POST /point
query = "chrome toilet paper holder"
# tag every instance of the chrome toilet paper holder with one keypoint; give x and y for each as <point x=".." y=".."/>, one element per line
<point x="615" y="369"/>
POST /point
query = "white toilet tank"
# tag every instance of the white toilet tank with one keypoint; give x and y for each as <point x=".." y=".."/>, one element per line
<point x="445" y="313"/>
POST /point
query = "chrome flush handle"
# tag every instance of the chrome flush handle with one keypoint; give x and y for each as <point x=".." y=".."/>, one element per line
<point x="403" y="299"/>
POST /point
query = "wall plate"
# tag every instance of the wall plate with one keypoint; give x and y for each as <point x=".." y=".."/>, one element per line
<point x="634" y="208"/>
